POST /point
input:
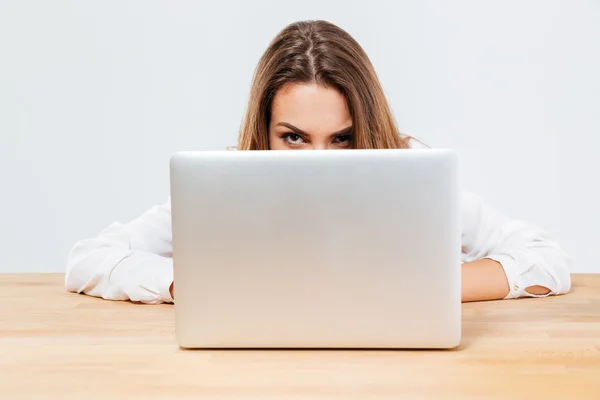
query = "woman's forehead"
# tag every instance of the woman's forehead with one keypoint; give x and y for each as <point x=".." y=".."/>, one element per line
<point x="311" y="107"/>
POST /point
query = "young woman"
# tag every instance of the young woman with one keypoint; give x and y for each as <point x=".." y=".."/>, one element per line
<point x="315" y="88"/>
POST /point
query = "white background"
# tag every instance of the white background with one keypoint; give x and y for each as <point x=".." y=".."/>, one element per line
<point x="96" y="95"/>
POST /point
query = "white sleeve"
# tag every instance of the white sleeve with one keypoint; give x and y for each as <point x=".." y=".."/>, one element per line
<point x="126" y="261"/>
<point x="528" y="254"/>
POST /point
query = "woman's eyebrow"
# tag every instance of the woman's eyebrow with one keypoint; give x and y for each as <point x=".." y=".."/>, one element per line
<point x="292" y="127"/>
<point x="299" y="131"/>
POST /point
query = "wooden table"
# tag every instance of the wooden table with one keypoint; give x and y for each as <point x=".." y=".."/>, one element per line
<point x="64" y="345"/>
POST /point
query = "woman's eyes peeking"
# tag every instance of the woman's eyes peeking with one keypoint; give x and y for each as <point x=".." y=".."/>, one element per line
<point x="294" y="139"/>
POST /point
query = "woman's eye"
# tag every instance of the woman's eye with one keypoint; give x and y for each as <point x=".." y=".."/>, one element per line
<point x="292" y="138"/>
<point x="343" y="139"/>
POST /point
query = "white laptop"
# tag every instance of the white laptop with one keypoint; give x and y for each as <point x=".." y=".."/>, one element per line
<point x="316" y="249"/>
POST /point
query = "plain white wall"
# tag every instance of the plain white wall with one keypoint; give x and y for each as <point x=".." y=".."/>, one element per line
<point x="95" y="97"/>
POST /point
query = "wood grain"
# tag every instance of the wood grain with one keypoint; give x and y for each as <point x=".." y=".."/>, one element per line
<point x="64" y="345"/>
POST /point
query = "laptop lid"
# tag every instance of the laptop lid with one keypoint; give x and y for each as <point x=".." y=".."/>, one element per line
<point x="328" y="248"/>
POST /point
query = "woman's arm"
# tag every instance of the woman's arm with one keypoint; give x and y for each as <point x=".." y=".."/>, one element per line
<point x="505" y="258"/>
<point x="485" y="280"/>
<point x="126" y="261"/>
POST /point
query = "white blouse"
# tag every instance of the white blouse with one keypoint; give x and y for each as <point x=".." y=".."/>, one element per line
<point x="133" y="260"/>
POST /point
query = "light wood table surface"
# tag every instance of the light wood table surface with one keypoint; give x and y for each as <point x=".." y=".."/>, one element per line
<point x="64" y="345"/>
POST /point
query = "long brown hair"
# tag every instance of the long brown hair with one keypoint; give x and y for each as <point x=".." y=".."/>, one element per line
<point x="320" y="52"/>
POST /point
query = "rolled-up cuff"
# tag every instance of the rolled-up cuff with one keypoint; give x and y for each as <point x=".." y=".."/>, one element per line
<point x="165" y="278"/>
